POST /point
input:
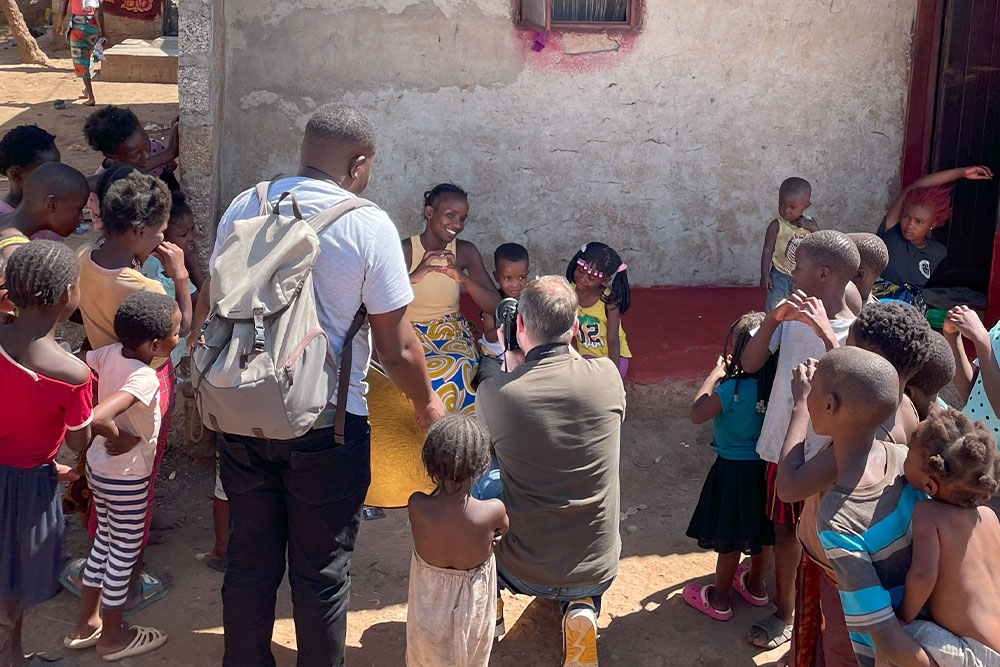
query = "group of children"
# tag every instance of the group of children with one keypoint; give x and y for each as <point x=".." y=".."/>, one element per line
<point x="835" y="452"/>
<point x="132" y="331"/>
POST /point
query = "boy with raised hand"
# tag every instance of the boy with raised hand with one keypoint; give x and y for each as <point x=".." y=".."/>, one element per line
<point x="955" y="542"/>
<point x="798" y="329"/>
<point x="863" y="521"/>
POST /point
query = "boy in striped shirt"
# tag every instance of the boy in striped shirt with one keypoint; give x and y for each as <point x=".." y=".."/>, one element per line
<point x="864" y="520"/>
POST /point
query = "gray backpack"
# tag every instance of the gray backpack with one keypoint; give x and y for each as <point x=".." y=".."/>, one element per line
<point x="264" y="367"/>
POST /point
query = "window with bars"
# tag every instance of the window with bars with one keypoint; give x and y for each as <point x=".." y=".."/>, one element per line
<point x="544" y="15"/>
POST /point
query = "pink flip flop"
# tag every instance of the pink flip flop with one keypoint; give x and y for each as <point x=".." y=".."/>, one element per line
<point x="696" y="595"/>
<point x="740" y="584"/>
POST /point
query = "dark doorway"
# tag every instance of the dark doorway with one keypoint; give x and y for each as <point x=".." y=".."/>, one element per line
<point x="966" y="131"/>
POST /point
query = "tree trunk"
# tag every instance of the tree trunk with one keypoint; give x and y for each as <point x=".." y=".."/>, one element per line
<point x="26" y="44"/>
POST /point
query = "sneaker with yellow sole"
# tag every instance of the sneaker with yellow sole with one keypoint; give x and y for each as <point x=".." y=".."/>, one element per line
<point x="500" y="629"/>
<point x="580" y="634"/>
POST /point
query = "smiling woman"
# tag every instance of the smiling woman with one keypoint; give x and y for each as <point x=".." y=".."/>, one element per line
<point x="906" y="229"/>
<point x="440" y="267"/>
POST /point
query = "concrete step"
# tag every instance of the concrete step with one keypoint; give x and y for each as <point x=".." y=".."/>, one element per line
<point x="141" y="60"/>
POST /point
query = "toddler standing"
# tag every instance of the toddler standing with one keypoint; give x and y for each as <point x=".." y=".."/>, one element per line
<point x="451" y="612"/>
<point x="792" y="223"/>
<point x="46" y="394"/>
<point x="601" y="281"/>
<point x="730" y="515"/>
<point x="120" y="465"/>
<point x="511" y="273"/>
<point x="955" y="542"/>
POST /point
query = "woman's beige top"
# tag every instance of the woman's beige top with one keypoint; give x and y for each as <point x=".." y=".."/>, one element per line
<point x="436" y="295"/>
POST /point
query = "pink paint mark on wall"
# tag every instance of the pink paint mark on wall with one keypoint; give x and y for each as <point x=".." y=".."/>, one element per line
<point x="554" y="57"/>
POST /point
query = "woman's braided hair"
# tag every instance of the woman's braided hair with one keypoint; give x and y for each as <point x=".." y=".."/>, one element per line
<point x="38" y="273"/>
<point x="456" y="450"/>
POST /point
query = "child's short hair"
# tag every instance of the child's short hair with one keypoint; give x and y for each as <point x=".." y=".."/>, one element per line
<point x="832" y="249"/>
<point x="456" y="450"/>
<point x="795" y="187"/>
<point x="112" y="175"/>
<point x="862" y="381"/>
<point x="603" y="258"/>
<point x="895" y="330"/>
<point x="22" y="146"/>
<point x="938" y="369"/>
<point x="962" y="454"/>
<point x="135" y="201"/>
<point x="38" y="273"/>
<point x="442" y="189"/>
<point x="937" y="199"/>
<point x="107" y="128"/>
<point x="342" y="124"/>
<point x="143" y="317"/>
<point x="873" y="251"/>
<point x="510" y="252"/>
<point x="739" y="335"/>
<point x="178" y="205"/>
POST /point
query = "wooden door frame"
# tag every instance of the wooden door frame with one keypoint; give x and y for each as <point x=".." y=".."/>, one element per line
<point x="918" y="126"/>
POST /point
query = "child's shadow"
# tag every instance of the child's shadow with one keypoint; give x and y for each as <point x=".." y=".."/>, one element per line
<point x="381" y="644"/>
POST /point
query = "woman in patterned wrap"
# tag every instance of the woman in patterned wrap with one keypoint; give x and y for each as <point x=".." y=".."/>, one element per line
<point x="440" y="267"/>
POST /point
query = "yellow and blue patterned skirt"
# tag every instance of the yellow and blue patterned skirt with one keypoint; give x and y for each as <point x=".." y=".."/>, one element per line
<point x="452" y="358"/>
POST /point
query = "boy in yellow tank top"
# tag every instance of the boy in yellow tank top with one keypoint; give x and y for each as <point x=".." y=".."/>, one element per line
<point x="791" y="225"/>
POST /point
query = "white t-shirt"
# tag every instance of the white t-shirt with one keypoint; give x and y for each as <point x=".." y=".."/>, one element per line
<point x="797" y="342"/>
<point x="119" y="373"/>
<point x="360" y="261"/>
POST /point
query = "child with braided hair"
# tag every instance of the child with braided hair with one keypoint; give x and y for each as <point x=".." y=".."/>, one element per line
<point x="453" y="578"/>
<point x="600" y="278"/>
<point x="955" y="541"/>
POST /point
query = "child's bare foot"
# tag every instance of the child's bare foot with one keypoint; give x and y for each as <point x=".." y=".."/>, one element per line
<point x="129" y="641"/>
<point x="719" y="601"/>
<point x="166" y="519"/>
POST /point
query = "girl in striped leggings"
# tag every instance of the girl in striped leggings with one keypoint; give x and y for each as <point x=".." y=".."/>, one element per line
<point x="119" y="466"/>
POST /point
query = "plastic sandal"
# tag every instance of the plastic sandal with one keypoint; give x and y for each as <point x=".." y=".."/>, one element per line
<point x="72" y="576"/>
<point x="776" y="631"/>
<point x="152" y="590"/>
<point x="696" y="595"/>
<point x="145" y="640"/>
<point x="740" y="584"/>
<point x="82" y="642"/>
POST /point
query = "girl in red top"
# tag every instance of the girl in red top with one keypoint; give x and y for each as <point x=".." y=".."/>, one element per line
<point x="46" y="394"/>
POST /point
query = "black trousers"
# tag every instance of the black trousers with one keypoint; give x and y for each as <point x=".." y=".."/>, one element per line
<point x="303" y="496"/>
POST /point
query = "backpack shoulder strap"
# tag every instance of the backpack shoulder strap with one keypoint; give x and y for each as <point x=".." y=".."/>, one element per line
<point x="344" y="375"/>
<point x="261" y="190"/>
<point x="324" y="219"/>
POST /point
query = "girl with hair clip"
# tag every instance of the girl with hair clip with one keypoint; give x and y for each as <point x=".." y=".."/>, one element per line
<point x="601" y="282"/>
<point x="906" y="229"/>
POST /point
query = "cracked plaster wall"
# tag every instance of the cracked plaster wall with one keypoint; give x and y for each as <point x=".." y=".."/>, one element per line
<point x="668" y="145"/>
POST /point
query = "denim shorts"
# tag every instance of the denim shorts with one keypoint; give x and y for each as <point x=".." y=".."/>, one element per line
<point x="781" y="288"/>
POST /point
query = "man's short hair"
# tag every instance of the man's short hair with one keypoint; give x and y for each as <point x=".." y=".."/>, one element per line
<point x="832" y="249"/>
<point x="342" y="124"/>
<point x="873" y="251"/>
<point x="795" y="187"/>
<point x="895" y="330"/>
<point x="547" y="307"/>
<point x="865" y="384"/>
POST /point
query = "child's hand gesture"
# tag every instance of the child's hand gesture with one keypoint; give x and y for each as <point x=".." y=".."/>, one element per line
<point x="765" y="281"/>
<point x="978" y="173"/>
<point x="802" y="380"/>
<point x="172" y="258"/>
<point x="787" y="309"/>
<point x="965" y="321"/>
<point x="122" y="443"/>
<point x="425" y="266"/>
<point x="721" y="364"/>
<point x="66" y="474"/>
<point x="811" y="311"/>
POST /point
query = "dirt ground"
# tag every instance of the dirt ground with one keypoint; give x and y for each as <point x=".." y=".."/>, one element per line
<point x="644" y="622"/>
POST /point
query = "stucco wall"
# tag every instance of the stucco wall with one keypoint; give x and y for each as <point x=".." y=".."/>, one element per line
<point x="669" y="144"/>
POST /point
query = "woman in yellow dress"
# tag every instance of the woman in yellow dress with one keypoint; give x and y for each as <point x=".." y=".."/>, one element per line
<point x="441" y="266"/>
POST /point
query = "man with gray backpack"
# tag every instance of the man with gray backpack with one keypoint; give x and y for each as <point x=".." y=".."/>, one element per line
<point x="304" y="277"/>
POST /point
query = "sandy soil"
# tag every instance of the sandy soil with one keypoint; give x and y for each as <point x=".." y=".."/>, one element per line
<point x="644" y="623"/>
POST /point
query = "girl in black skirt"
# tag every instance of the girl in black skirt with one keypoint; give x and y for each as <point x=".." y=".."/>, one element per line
<point x="730" y="516"/>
